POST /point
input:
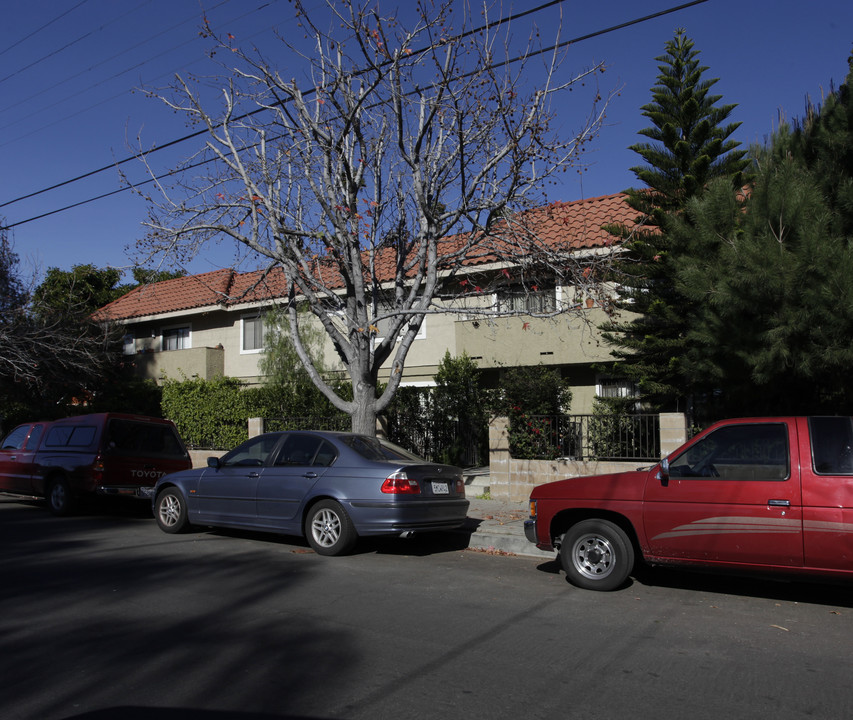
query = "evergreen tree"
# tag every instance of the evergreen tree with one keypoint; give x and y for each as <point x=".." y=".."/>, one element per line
<point x="689" y="145"/>
<point x="774" y="283"/>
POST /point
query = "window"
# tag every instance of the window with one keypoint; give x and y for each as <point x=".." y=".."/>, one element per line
<point x="737" y="452"/>
<point x="253" y="452"/>
<point x="129" y="344"/>
<point x="303" y="450"/>
<point x="71" y="436"/>
<point x="832" y="445"/>
<point x="252" y="334"/>
<point x="177" y="338"/>
<point x="615" y="387"/>
<point x="517" y="299"/>
<point x="386" y="312"/>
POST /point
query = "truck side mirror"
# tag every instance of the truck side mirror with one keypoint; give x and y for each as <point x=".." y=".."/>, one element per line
<point x="663" y="472"/>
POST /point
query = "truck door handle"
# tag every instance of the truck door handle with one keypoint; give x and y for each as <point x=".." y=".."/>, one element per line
<point x="779" y="503"/>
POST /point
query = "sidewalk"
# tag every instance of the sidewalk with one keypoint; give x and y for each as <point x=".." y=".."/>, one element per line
<point x="498" y="526"/>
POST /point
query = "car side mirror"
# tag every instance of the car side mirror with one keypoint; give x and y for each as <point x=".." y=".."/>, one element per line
<point x="214" y="462"/>
<point x="663" y="472"/>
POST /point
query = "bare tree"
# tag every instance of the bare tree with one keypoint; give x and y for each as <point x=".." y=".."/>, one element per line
<point x="44" y="349"/>
<point x="412" y="155"/>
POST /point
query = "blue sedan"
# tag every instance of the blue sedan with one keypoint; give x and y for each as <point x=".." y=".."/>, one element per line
<point x="328" y="487"/>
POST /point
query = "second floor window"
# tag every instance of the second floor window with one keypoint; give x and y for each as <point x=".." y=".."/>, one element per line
<point x="522" y="300"/>
<point x="176" y="338"/>
<point x="253" y="334"/>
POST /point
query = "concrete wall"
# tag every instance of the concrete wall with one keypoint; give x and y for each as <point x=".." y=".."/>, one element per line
<point x="511" y="479"/>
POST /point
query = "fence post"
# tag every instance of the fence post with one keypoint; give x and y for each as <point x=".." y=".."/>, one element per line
<point x="499" y="458"/>
<point x="673" y="432"/>
<point x="256" y="427"/>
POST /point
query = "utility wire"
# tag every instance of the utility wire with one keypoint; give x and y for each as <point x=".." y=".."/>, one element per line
<point x="38" y="30"/>
<point x="73" y="42"/>
<point x="310" y="91"/>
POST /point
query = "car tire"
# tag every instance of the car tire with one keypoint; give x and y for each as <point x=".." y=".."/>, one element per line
<point x="329" y="530"/>
<point x="597" y="555"/>
<point x="60" y="500"/>
<point x="170" y="511"/>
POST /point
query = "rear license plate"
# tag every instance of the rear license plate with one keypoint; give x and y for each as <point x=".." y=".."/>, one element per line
<point x="440" y="489"/>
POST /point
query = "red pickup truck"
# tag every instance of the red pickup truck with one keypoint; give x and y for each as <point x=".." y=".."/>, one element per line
<point x="753" y="494"/>
<point x="98" y="454"/>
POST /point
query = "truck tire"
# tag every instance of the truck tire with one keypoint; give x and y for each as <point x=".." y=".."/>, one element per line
<point x="60" y="500"/>
<point x="170" y="511"/>
<point x="329" y="530"/>
<point x="597" y="555"/>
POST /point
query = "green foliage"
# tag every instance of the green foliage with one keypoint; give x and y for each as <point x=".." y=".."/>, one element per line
<point x="532" y="391"/>
<point x="80" y="291"/>
<point x="772" y="277"/>
<point x="690" y="146"/>
<point x="208" y="413"/>
<point x="614" y="429"/>
<point x="289" y="388"/>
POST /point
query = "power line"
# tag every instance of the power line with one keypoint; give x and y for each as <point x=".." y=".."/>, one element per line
<point x="38" y="30"/>
<point x="73" y="42"/>
<point x="309" y="91"/>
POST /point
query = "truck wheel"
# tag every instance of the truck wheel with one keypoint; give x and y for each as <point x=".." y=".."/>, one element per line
<point x="170" y="510"/>
<point x="60" y="501"/>
<point x="329" y="530"/>
<point x="596" y="555"/>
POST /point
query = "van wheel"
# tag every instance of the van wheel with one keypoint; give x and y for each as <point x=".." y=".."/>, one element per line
<point x="60" y="501"/>
<point x="329" y="529"/>
<point x="597" y="555"/>
<point x="170" y="510"/>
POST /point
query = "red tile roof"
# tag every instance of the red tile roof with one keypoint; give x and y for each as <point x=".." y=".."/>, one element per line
<point x="579" y="222"/>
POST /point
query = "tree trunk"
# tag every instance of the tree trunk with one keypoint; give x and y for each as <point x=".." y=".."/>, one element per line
<point x="364" y="410"/>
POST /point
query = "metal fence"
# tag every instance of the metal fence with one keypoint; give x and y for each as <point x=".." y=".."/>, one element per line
<point x="341" y="423"/>
<point x="586" y="437"/>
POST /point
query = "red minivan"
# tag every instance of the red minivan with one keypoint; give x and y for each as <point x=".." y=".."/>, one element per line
<point x="98" y="454"/>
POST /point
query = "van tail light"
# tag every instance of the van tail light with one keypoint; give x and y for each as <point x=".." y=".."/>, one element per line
<point x="98" y="469"/>
<point x="400" y="484"/>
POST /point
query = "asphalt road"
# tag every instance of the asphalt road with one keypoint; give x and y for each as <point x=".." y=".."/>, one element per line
<point x="104" y="616"/>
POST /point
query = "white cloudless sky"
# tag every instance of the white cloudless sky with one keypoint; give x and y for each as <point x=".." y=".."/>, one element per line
<point x="70" y="73"/>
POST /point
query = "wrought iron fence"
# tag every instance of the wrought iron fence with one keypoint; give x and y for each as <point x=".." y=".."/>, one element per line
<point x="586" y="437"/>
<point x="333" y="422"/>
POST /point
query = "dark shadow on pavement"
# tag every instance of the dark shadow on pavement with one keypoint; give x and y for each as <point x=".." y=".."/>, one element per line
<point x="152" y="713"/>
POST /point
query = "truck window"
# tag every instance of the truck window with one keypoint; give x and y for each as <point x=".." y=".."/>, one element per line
<point x="832" y="445"/>
<point x="737" y="452"/>
<point x="73" y="436"/>
<point x="15" y="439"/>
<point x="135" y="438"/>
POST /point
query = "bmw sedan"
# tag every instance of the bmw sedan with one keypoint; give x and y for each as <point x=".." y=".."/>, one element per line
<point x="328" y="487"/>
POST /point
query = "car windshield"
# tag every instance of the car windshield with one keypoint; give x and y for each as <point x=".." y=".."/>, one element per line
<point x="371" y="448"/>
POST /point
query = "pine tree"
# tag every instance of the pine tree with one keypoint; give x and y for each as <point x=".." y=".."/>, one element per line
<point x="773" y="333"/>
<point x="689" y="146"/>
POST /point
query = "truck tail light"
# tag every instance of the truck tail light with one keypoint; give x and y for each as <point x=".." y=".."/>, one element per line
<point x="532" y="509"/>
<point x="98" y="469"/>
<point x="400" y="484"/>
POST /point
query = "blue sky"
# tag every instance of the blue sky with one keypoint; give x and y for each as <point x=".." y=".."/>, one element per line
<point x="70" y="73"/>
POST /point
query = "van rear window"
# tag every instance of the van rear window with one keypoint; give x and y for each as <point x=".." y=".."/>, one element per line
<point x="70" y="436"/>
<point x="142" y="439"/>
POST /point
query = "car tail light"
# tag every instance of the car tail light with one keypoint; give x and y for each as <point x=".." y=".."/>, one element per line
<point x="400" y="484"/>
<point x="460" y="487"/>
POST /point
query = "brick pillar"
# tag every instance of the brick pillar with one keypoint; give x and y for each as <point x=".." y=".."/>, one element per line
<point x="499" y="459"/>
<point x="256" y="427"/>
<point x="673" y="432"/>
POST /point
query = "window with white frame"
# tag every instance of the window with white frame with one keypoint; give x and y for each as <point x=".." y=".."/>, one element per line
<point x="384" y="325"/>
<point x="128" y="344"/>
<point x="252" y="333"/>
<point x="176" y="338"/>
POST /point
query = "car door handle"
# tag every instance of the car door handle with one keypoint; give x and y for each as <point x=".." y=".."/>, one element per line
<point x="310" y="475"/>
<point x="779" y="503"/>
<point x="253" y="474"/>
